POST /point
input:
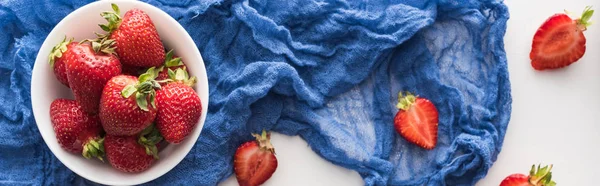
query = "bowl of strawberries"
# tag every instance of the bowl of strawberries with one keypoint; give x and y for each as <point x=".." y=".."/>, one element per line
<point x="119" y="92"/>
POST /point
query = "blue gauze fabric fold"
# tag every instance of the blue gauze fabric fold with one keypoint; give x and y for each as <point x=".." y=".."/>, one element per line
<point x="328" y="71"/>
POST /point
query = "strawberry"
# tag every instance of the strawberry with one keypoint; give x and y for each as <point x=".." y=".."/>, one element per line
<point x="172" y="62"/>
<point x="89" y="67"/>
<point x="58" y="62"/>
<point x="121" y="112"/>
<point x="539" y="177"/>
<point x="559" y="42"/>
<point x="133" y="153"/>
<point x="417" y="120"/>
<point x="255" y="161"/>
<point x="179" y="107"/>
<point x="137" y="40"/>
<point x="76" y="130"/>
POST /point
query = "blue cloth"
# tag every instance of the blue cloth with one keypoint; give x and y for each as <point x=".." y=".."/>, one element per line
<point x="328" y="71"/>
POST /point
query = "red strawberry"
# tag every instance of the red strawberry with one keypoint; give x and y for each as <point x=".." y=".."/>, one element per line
<point x="255" y="161"/>
<point x="171" y="62"/>
<point x="559" y="42"/>
<point x="541" y="177"/>
<point x="137" y="40"/>
<point x="132" y="153"/>
<point x="417" y="120"/>
<point x="58" y="62"/>
<point x="124" y="109"/>
<point x="88" y="70"/>
<point x="179" y="107"/>
<point x="76" y="130"/>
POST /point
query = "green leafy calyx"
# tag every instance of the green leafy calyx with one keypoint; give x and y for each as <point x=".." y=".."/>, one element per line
<point x="405" y="101"/>
<point x="172" y="62"/>
<point x="181" y="75"/>
<point x="264" y="141"/>
<point x="541" y="176"/>
<point x="149" y="137"/>
<point x="144" y="89"/>
<point x="113" y="18"/>
<point x="102" y="44"/>
<point x="94" y="148"/>
<point x="58" y="50"/>
<point x="584" y="21"/>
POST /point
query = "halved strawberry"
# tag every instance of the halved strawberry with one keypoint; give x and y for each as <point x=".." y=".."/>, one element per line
<point x="255" y="161"/>
<point x="516" y="180"/>
<point x="417" y="120"/>
<point x="559" y="42"/>
<point x="540" y="177"/>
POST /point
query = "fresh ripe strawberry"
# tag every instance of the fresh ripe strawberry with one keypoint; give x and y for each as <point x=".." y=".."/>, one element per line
<point x="559" y="42"/>
<point x="58" y="62"/>
<point x="88" y="70"/>
<point x="179" y="107"/>
<point x="255" y="161"/>
<point x="125" y="154"/>
<point x="171" y="62"/>
<point x="124" y="109"/>
<point x="541" y="177"/>
<point x="132" y="153"/>
<point x="76" y="130"/>
<point x="138" y="43"/>
<point x="417" y="120"/>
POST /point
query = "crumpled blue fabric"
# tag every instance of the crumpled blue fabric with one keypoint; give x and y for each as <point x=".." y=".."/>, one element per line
<point x="326" y="70"/>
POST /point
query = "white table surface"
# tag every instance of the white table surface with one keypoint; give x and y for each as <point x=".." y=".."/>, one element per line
<point x="555" y="117"/>
<point x="555" y="114"/>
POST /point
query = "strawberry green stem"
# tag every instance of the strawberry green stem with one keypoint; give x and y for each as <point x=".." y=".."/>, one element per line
<point x="181" y="75"/>
<point x="94" y="148"/>
<point x="541" y="176"/>
<point x="584" y="21"/>
<point x="146" y="87"/>
<point x="102" y="44"/>
<point x="113" y="18"/>
<point x="172" y="62"/>
<point x="405" y="101"/>
<point x="264" y="141"/>
<point x="149" y="137"/>
<point x="58" y="50"/>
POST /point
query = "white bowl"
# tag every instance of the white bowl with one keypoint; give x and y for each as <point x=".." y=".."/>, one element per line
<point x="81" y="24"/>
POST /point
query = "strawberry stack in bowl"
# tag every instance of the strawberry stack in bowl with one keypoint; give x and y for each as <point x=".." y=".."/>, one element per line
<point x="130" y="94"/>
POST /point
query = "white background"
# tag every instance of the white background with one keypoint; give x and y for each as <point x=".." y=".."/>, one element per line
<point x="554" y="117"/>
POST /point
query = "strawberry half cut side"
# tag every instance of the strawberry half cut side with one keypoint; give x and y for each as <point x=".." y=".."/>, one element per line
<point x="560" y="42"/>
<point x="417" y="120"/>
<point x="255" y="161"/>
